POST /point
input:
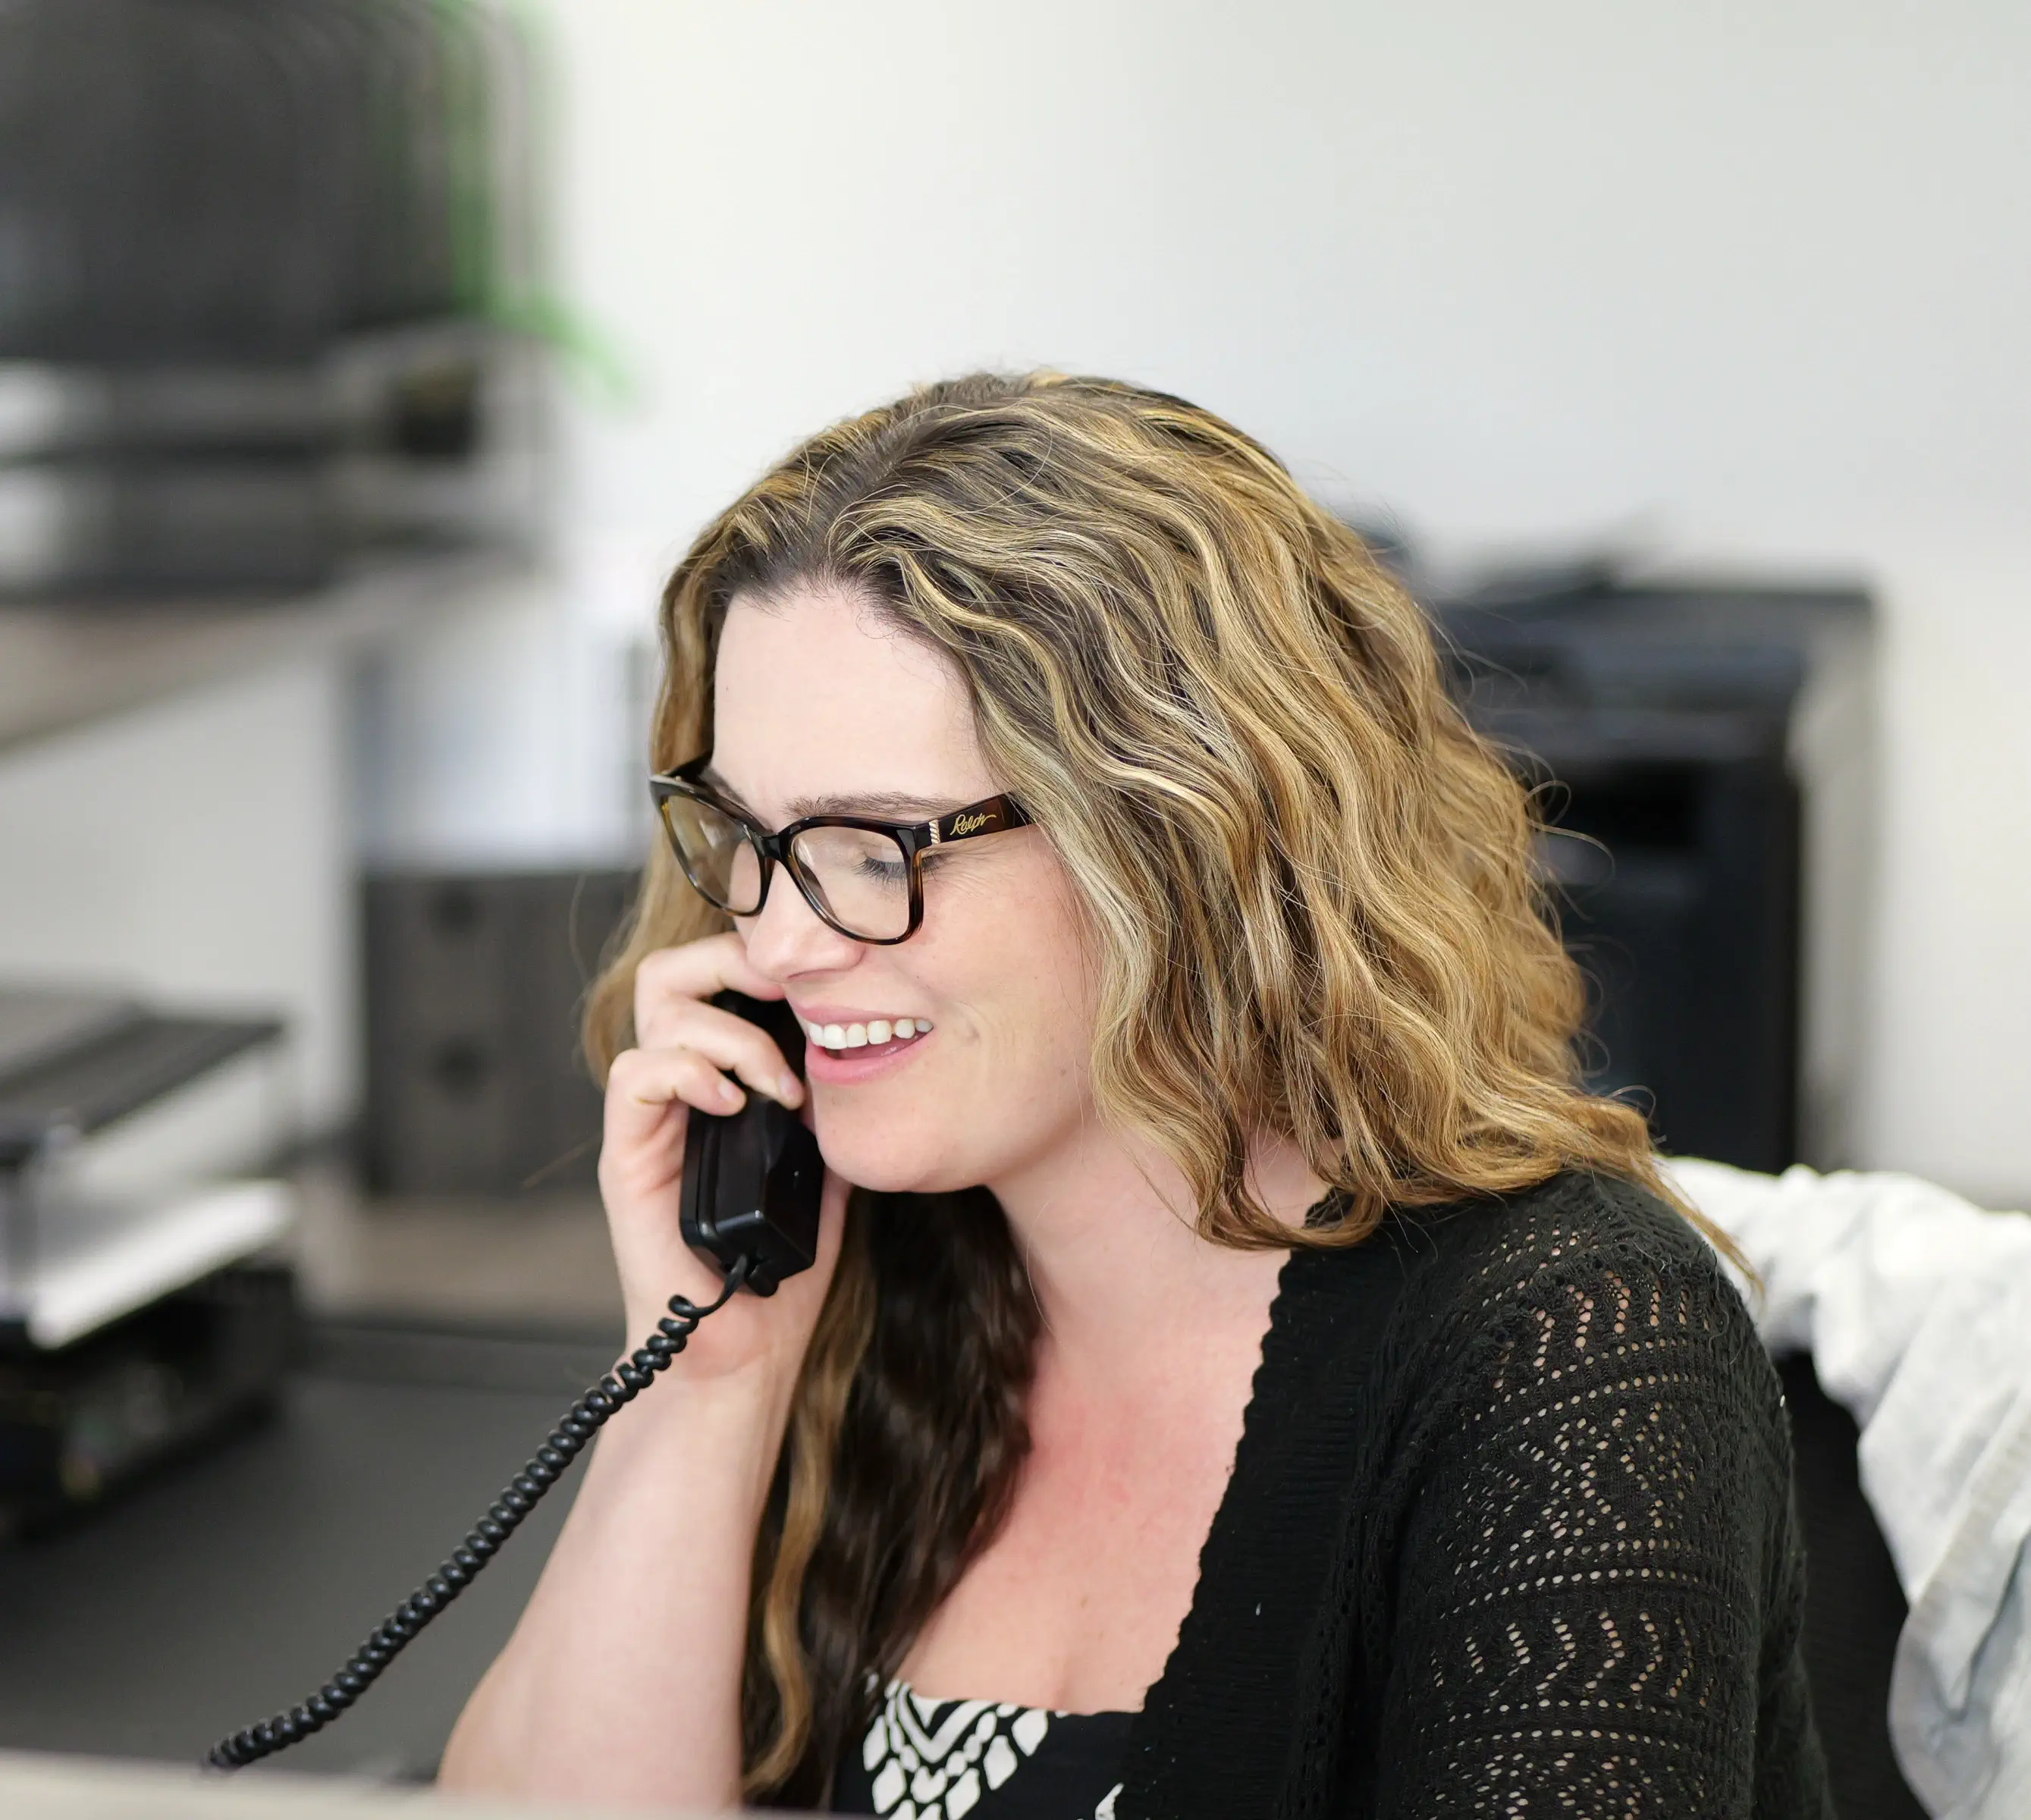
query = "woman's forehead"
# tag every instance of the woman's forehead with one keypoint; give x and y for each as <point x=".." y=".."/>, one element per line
<point x="817" y="699"/>
<point x="821" y="633"/>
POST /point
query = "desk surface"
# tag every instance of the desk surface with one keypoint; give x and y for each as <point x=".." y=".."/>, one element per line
<point x="41" y="1788"/>
<point x="231" y="1585"/>
<point x="64" y="665"/>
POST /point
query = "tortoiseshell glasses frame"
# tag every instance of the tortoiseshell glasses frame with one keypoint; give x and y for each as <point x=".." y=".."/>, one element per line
<point x="678" y="794"/>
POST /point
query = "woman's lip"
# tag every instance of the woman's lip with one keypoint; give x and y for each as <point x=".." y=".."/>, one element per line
<point x="849" y="1067"/>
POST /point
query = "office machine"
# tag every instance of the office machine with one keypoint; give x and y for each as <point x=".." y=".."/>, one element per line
<point x="138" y="1312"/>
<point x="1707" y="757"/>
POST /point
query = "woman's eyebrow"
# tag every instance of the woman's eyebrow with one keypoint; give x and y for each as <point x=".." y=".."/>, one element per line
<point x="882" y="802"/>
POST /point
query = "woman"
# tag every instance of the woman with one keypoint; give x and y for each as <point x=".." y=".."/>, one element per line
<point x="1246" y="1373"/>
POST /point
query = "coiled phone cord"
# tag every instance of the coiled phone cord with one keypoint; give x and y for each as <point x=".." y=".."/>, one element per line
<point x="585" y="1418"/>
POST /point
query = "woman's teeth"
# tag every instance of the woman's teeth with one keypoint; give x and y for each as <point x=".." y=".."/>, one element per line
<point x="859" y="1035"/>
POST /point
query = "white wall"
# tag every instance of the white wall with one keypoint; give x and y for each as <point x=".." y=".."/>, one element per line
<point x="504" y="729"/>
<point x="198" y="853"/>
<point x="1753" y="277"/>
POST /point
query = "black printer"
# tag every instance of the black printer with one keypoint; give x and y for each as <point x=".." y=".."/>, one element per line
<point x="1707" y="756"/>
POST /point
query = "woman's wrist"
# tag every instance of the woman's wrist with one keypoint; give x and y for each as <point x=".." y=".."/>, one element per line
<point x="714" y="1424"/>
<point x="732" y="1374"/>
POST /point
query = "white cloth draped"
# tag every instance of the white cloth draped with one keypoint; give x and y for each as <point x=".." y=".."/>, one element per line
<point x="1915" y="1306"/>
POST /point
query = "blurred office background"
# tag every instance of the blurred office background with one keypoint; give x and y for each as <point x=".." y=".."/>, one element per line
<point x="1735" y="295"/>
<point x="1715" y="314"/>
<point x="1741" y="288"/>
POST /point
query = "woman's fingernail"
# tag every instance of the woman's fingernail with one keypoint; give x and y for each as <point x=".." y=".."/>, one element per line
<point x="729" y="1095"/>
<point x="789" y="1090"/>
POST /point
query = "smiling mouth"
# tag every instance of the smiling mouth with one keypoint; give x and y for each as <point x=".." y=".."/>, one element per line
<point x="877" y="1034"/>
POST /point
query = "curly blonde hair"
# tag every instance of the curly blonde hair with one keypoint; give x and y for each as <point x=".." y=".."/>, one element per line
<point x="1309" y="885"/>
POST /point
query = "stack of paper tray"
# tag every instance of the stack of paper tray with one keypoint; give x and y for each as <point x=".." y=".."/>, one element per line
<point x="121" y="1131"/>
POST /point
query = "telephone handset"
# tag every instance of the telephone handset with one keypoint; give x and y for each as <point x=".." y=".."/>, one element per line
<point x="753" y="1178"/>
<point x="752" y="1182"/>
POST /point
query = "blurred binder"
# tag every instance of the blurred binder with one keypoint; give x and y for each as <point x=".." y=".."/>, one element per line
<point x="476" y="1080"/>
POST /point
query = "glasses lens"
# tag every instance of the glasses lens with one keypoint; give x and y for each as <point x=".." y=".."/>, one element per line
<point x="717" y="854"/>
<point x="862" y="878"/>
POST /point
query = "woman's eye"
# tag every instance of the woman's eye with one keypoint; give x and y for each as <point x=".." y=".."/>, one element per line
<point x="895" y="872"/>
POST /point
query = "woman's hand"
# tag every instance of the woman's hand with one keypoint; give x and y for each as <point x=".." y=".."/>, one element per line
<point x="684" y="1044"/>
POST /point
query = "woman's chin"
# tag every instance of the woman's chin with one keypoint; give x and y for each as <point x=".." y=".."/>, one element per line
<point x="886" y="1167"/>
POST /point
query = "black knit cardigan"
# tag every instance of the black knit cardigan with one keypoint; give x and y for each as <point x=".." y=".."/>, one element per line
<point x="1509" y="1532"/>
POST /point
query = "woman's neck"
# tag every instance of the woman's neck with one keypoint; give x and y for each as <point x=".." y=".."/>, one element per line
<point x="1118" y="1266"/>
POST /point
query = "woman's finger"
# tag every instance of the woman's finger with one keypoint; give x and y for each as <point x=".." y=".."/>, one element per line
<point x="729" y="1041"/>
<point x="670" y="979"/>
<point x="645" y="1084"/>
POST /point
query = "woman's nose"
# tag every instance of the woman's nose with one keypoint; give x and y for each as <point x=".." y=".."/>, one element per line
<point x="786" y="936"/>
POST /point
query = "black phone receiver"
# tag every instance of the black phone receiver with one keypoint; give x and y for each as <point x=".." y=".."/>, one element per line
<point x="753" y="1178"/>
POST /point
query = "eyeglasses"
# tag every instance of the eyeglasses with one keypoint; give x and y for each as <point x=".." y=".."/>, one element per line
<point x="864" y="877"/>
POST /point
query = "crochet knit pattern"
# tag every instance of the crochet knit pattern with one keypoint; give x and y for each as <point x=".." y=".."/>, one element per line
<point x="1509" y="1533"/>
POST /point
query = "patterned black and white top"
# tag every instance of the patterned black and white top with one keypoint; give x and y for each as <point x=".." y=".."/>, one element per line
<point x="981" y="1760"/>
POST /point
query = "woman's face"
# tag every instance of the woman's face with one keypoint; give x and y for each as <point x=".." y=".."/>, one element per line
<point x="820" y="708"/>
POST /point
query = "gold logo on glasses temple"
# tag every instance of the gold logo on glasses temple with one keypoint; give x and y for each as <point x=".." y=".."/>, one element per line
<point x="967" y="823"/>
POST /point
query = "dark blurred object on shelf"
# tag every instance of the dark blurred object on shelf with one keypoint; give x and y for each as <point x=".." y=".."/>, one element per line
<point x="257" y="264"/>
<point x="475" y="1080"/>
<point x="231" y="181"/>
<point x="1709" y="759"/>
<point x="79" y="1422"/>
